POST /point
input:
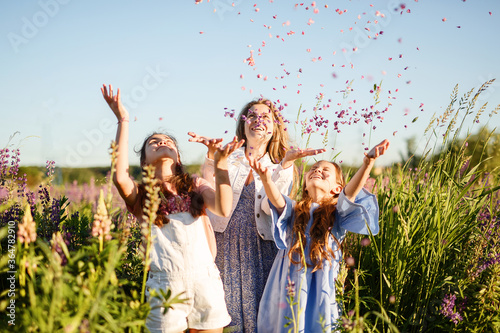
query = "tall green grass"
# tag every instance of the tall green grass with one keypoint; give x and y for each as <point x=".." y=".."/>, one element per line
<point x="77" y="273"/>
<point x="434" y="266"/>
<point x="429" y="231"/>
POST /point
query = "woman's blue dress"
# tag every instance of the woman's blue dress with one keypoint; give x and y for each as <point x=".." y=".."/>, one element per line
<point x="244" y="260"/>
<point x="314" y="292"/>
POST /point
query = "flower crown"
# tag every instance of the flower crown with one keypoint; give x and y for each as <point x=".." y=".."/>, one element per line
<point x="174" y="204"/>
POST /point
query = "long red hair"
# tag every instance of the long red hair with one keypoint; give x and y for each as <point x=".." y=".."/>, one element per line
<point x="323" y="222"/>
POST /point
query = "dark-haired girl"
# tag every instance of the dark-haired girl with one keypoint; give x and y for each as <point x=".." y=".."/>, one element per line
<point x="181" y="258"/>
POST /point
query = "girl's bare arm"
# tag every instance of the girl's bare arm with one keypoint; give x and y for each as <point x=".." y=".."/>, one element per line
<point x="220" y="201"/>
<point x="357" y="181"/>
<point x="273" y="193"/>
<point x="125" y="185"/>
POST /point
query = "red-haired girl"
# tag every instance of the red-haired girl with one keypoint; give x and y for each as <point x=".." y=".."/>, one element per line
<point x="310" y="231"/>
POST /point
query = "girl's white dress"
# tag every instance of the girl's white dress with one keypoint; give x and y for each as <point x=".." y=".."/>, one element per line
<point x="314" y="292"/>
<point x="181" y="259"/>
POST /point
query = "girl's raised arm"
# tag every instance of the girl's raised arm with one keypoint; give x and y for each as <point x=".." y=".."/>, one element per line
<point x="357" y="181"/>
<point x="212" y="144"/>
<point x="207" y="169"/>
<point x="125" y="185"/>
<point x="220" y="201"/>
<point x="273" y="193"/>
<point x="296" y="153"/>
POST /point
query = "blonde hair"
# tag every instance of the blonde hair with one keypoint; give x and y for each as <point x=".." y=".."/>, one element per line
<point x="278" y="144"/>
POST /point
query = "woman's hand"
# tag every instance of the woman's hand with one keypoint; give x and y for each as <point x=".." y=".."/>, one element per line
<point x="376" y="151"/>
<point x="272" y="192"/>
<point x="115" y="103"/>
<point x="223" y="200"/>
<point x="263" y="172"/>
<point x="212" y="144"/>
<point x="296" y="153"/>
<point x="222" y="153"/>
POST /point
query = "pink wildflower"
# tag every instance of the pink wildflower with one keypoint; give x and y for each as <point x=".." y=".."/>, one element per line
<point x="102" y="223"/>
<point x="27" y="228"/>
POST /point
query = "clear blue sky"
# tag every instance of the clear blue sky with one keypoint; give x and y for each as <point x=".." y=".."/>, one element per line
<point x="181" y="64"/>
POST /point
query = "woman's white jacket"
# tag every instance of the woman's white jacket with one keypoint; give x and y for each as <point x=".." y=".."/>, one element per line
<point x="238" y="169"/>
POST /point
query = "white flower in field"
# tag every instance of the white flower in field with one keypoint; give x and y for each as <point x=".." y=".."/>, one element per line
<point x="26" y="232"/>
<point x="102" y="223"/>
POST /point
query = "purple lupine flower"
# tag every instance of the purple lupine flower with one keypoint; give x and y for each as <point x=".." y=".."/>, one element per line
<point x="50" y="166"/>
<point x="493" y="260"/>
<point x="55" y="213"/>
<point x="22" y="187"/>
<point x="4" y="156"/>
<point x="44" y="195"/>
<point x="14" y="163"/>
<point x="448" y="309"/>
<point x="11" y="214"/>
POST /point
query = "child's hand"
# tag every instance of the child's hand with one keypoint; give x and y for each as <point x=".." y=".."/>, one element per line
<point x="377" y="151"/>
<point x="222" y="153"/>
<point x="115" y="103"/>
<point x="296" y="153"/>
<point x="263" y="172"/>
<point x="212" y="144"/>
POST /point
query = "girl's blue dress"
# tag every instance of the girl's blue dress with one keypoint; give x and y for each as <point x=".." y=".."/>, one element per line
<point x="319" y="310"/>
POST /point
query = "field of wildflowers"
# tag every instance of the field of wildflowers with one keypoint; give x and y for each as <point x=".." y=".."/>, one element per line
<point x="73" y="260"/>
